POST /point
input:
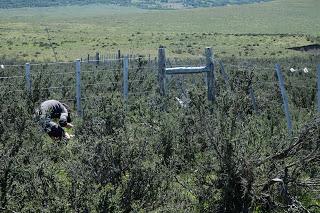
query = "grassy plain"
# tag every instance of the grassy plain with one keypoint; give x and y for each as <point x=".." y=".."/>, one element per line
<point x="261" y="30"/>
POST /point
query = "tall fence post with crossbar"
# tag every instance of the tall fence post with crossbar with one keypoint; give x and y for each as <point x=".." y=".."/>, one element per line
<point x="284" y="98"/>
<point x="78" y="87"/>
<point x="209" y="69"/>
<point x="28" y="79"/>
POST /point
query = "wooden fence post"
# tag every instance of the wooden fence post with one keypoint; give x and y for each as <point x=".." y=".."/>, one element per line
<point x="125" y="78"/>
<point x="210" y="74"/>
<point x="162" y="70"/>
<point x="318" y="85"/>
<point x="284" y="98"/>
<point x="78" y="87"/>
<point x="28" y="79"/>
<point x="119" y="54"/>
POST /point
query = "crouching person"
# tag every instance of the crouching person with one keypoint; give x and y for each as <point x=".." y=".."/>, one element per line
<point x="49" y="111"/>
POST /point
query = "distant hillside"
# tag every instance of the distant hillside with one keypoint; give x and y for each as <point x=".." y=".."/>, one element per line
<point x="147" y="4"/>
<point x="176" y="4"/>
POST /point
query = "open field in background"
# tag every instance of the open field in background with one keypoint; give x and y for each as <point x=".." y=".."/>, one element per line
<point x="75" y="31"/>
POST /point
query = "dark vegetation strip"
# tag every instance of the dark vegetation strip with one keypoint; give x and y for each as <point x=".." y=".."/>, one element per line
<point x="141" y="3"/>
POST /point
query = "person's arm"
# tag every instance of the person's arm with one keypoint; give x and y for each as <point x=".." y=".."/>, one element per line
<point x="63" y="119"/>
<point x="67" y="136"/>
<point x="54" y="130"/>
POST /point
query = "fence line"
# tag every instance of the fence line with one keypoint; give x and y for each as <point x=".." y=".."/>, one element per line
<point x="112" y="59"/>
<point x="67" y="62"/>
<point x="127" y="67"/>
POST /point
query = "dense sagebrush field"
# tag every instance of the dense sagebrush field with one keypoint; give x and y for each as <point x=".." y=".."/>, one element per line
<point x="150" y="154"/>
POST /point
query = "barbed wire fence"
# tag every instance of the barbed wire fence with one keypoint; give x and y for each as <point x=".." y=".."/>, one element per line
<point x="87" y="83"/>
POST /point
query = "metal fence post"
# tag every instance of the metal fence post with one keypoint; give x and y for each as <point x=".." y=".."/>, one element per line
<point x="97" y="58"/>
<point x="318" y="85"/>
<point x="284" y="98"/>
<point x="28" y="79"/>
<point x="162" y="70"/>
<point x="210" y="74"/>
<point x="78" y="87"/>
<point x="125" y="78"/>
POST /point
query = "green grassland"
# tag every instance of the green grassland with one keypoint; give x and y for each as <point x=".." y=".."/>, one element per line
<point x="260" y="30"/>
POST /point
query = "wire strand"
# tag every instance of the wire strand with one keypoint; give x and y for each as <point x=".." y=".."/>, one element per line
<point x="103" y="83"/>
<point x="52" y="63"/>
<point x="58" y="87"/>
<point x="11" y="65"/>
<point x="50" y="74"/>
<point x="96" y="71"/>
<point x="11" y="91"/>
<point x="139" y="93"/>
<point x="11" y="77"/>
